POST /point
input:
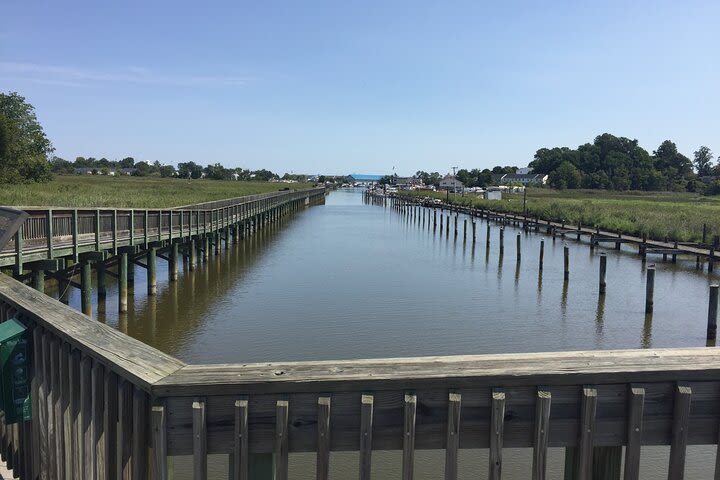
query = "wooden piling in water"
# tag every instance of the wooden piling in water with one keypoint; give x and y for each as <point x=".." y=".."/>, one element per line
<point x="101" y="280"/>
<point x="566" y="268"/>
<point x="542" y="254"/>
<point x="123" y="288"/>
<point x="456" y="225"/>
<point x="502" y="240"/>
<point x="517" y="245"/>
<point x="603" y="271"/>
<point x="465" y="229"/>
<point x="712" y="313"/>
<point x="173" y="265"/>
<point x="650" y="289"/>
<point x="151" y="271"/>
<point x="86" y="287"/>
<point x="193" y="254"/>
<point x="474" y="228"/>
<point x="38" y="280"/>
<point x="487" y="237"/>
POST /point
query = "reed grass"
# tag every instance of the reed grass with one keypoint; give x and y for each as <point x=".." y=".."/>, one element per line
<point x="130" y="192"/>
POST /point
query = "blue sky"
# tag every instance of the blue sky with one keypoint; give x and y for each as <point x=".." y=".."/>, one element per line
<point x="362" y="86"/>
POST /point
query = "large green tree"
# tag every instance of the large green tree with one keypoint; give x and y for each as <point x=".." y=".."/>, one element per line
<point x="24" y="148"/>
<point x="703" y="161"/>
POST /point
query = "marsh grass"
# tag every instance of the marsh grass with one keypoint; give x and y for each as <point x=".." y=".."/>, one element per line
<point x="130" y="192"/>
<point x="679" y="216"/>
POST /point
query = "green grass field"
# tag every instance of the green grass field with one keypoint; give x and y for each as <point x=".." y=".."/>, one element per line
<point x="679" y="216"/>
<point x="130" y="192"/>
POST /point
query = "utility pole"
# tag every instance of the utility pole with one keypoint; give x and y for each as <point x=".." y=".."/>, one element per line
<point x="454" y="181"/>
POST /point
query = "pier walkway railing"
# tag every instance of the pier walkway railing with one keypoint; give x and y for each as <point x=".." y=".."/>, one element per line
<point x="107" y="406"/>
<point x="53" y="232"/>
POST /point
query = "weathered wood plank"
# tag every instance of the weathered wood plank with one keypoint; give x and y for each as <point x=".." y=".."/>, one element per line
<point x="636" y="405"/>
<point x="110" y="424"/>
<point x="48" y="409"/>
<point x="57" y="418"/>
<point x="240" y="449"/>
<point x="85" y="435"/>
<point x="554" y="368"/>
<point x="159" y="436"/>
<point x="125" y="426"/>
<point x="452" y="442"/>
<point x="199" y="440"/>
<point x="588" y="408"/>
<point x="497" y="425"/>
<point x="65" y="410"/>
<point x="98" y="418"/>
<point x="681" y="425"/>
<point x="366" y="427"/>
<point x="127" y="357"/>
<point x="408" y="462"/>
<point x="281" y="440"/>
<point x="323" y="451"/>
<point x="140" y="427"/>
<point x="541" y="432"/>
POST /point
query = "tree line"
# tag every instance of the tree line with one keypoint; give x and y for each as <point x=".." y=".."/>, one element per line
<point x="619" y="163"/>
<point x="129" y="166"/>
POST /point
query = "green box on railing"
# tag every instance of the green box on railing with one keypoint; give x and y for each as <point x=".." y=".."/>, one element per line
<point x="14" y="372"/>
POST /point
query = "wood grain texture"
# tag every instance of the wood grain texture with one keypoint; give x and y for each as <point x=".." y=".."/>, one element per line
<point x="497" y="425"/>
<point x="452" y="439"/>
<point x="159" y="439"/>
<point x="588" y="408"/>
<point x="541" y="432"/>
<point x="636" y="406"/>
<point x="323" y="450"/>
<point x="366" y="430"/>
<point x="241" y="457"/>
<point x="408" y="457"/>
<point x="199" y="440"/>
<point x="680" y="427"/>
<point x="281" y="439"/>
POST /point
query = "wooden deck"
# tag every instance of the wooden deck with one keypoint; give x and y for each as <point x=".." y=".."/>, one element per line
<point x="108" y="406"/>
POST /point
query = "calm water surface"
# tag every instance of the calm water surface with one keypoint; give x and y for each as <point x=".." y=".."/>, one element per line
<point x="353" y="280"/>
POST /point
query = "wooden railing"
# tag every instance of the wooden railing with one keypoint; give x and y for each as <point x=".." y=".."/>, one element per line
<point x="58" y="232"/>
<point x="108" y="406"/>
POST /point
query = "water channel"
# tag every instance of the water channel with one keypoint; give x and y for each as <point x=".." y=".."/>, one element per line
<point x="349" y="279"/>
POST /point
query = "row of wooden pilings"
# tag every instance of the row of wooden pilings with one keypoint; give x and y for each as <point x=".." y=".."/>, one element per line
<point x="194" y="249"/>
<point x="418" y="213"/>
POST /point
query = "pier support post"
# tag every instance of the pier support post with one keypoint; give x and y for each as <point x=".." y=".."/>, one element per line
<point x="603" y="270"/>
<point x="86" y="287"/>
<point x="456" y="225"/>
<point x="502" y="240"/>
<point x="38" y="280"/>
<point x="712" y="313"/>
<point x="101" y="280"/>
<point x="487" y="236"/>
<point x="123" y="279"/>
<point x="447" y="225"/>
<point x="566" y="268"/>
<point x="650" y="289"/>
<point x="173" y="265"/>
<point x="193" y="254"/>
<point x="465" y="229"/>
<point x="542" y="254"/>
<point x="206" y="247"/>
<point x="151" y="271"/>
<point x="517" y="242"/>
<point x="474" y="227"/>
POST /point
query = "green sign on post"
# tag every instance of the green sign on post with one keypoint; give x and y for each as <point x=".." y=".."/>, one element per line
<point x="14" y="372"/>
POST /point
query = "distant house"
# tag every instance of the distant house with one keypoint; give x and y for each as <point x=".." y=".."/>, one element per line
<point x="408" y="182"/>
<point x="524" y="170"/>
<point x="451" y="183"/>
<point x="525" y="179"/>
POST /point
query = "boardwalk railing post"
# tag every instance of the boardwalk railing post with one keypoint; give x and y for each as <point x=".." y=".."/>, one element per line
<point x="650" y="289"/>
<point x="712" y="313"/>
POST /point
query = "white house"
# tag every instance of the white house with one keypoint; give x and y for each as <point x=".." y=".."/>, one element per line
<point x="449" y="182"/>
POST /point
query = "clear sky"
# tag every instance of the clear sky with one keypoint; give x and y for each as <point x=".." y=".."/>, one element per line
<point x="362" y="86"/>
